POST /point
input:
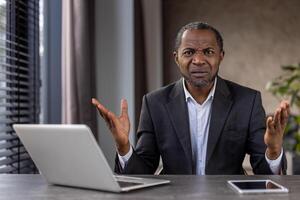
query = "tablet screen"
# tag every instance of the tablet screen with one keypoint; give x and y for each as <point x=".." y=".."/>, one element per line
<point x="256" y="185"/>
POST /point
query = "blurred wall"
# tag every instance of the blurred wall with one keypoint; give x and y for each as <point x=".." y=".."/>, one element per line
<point x="259" y="37"/>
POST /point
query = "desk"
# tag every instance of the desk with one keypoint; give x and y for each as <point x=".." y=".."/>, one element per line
<point x="33" y="187"/>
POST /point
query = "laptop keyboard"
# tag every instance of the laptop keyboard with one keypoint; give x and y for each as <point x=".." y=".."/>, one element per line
<point x="125" y="181"/>
<point x="128" y="184"/>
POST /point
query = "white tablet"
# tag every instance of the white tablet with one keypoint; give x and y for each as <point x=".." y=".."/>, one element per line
<point x="257" y="186"/>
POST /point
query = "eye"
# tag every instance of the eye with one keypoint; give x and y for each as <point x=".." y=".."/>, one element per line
<point x="208" y="52"/>
<point x="188" y="52"/>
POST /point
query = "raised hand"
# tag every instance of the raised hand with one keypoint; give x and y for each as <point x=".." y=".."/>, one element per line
<point x="119" y="126"/>
<point x="275" y="129"/>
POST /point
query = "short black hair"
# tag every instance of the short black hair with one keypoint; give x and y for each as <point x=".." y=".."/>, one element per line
<point x="198" y="26"/>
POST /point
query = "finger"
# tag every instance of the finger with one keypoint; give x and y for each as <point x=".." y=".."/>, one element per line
<point x="284" y="116"/>
<point x="285" y="104"/>
<point x="102" y="111"/>
<point x="270" y="124"/>
<point x="95" y="101"/>
<point x="100" y="107"/>
<point x="124" y="108"/>
<point x="288" y="108"/>
<point x="277" y="119"/>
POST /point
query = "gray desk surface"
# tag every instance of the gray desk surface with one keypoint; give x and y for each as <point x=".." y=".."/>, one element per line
<point x="14" y="187"/>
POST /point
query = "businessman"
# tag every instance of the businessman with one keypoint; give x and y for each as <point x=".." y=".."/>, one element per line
<point x="201" y="124"/>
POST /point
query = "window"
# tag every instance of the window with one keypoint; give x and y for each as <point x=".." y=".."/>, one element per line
<point x="19" y="79"/>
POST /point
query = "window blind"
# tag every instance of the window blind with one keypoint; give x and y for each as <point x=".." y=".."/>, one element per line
<point x="19" y="79"/>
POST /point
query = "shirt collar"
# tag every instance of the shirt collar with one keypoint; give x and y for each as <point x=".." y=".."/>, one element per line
<point x="189" y="96"/>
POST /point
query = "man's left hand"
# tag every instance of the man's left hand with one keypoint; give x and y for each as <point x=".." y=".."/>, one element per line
<point x="275" y="129"/>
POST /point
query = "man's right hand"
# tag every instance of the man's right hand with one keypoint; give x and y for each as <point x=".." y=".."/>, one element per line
<point x="119" y="126"/>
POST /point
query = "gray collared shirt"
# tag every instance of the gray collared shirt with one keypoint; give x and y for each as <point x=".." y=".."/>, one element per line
<point x="199" y="120"/>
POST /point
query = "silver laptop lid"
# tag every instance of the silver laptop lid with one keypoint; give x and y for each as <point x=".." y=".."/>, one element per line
<point x="67" y="155"/>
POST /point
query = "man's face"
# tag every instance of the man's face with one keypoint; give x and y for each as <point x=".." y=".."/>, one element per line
<point x="198" y="57"/>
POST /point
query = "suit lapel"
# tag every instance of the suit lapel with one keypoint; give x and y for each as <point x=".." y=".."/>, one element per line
<point x="178" y="113"/>
<point x="221" y="106"/>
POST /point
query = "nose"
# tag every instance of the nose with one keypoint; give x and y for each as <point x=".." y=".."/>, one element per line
<point x="199" y="58"/>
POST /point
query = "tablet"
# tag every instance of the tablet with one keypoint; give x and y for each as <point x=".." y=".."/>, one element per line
<point x="257" y="186"/>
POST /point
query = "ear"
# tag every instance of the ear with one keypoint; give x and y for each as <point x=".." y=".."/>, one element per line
<point x="222" y="54"/>
<point x="175" y="54"/>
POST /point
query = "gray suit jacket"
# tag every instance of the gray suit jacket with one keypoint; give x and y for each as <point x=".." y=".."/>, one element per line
<point x="237" y="127"/>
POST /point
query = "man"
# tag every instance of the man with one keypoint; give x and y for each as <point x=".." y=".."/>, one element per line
<point x="202" y="124"/>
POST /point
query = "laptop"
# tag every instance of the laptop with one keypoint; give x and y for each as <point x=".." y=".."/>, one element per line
<point x="69" y="155"/>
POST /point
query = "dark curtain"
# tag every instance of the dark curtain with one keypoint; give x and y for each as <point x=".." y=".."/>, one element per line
<point x="78" y="63"/>
<point x="139" y="59"/>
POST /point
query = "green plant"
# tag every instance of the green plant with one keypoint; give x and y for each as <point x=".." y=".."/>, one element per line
<point x="288" y="86"/>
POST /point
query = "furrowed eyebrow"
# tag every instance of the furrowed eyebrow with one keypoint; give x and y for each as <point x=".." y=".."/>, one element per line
<point x="188" y="48"/>
<point x="209" y="48"/>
